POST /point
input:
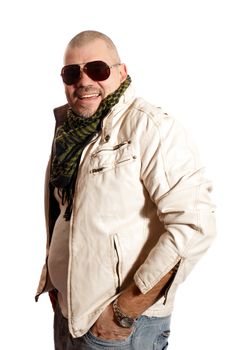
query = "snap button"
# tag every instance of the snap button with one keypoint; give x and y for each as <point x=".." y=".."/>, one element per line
<point x="107" y="138"/>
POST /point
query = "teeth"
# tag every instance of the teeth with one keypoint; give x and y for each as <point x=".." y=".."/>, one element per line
<point x="91" y="95"/>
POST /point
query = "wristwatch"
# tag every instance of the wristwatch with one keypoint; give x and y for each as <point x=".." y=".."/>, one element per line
<point x="122" y="319"/>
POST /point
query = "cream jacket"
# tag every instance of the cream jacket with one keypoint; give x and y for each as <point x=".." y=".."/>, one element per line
<point x="141" y="206"/>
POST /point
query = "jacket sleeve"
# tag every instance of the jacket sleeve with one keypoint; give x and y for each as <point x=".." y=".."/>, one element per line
<point x="173" y="176"/>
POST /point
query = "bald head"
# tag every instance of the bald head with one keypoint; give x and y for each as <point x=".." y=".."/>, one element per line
<point x="88" y="36"/>
<point x="86" y="94"/>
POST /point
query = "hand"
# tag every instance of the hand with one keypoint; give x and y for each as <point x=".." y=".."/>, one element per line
<point x="106" y="328"/>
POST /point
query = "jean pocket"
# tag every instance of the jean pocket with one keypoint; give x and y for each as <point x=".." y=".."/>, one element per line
<point x="162" y="340"/>
<point x="91" y="339"/>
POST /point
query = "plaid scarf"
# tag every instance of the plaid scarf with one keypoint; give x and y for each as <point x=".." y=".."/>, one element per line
<point x="70" y="139"/>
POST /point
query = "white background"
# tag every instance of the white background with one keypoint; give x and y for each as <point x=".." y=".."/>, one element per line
<point x="179" y="55"/>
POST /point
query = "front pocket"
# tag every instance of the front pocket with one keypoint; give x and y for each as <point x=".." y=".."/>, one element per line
<point x="116" y="262"/>
<point x="171" y="283"/>
<point x="111" y="166"/>
<point x="107" y="343"/>
<point x="120" y="145"/>
<point x="108" y="158"/>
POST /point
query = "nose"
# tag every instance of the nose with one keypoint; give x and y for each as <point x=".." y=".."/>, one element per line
<point x="84" y="79"/>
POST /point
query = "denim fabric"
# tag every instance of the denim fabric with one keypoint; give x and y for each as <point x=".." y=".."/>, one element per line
<point x="149" y="333"/>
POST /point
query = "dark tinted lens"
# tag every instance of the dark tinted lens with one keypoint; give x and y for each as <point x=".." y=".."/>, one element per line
<point x="97" y="70"/>
<point x="70" y="74"/>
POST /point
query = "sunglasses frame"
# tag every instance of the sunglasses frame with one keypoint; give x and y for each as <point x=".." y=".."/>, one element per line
<point x="83" y="67"/>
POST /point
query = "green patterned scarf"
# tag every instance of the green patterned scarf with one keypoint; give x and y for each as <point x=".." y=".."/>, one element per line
<point x="71" y="138"/>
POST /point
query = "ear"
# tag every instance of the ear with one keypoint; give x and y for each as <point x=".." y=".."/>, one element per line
<point x="123" y="72"/>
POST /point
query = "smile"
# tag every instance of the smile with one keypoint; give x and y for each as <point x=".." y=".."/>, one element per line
<point x="88" y="96"/>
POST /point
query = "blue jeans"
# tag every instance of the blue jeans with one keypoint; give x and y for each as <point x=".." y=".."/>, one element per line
<point x="149" y="333"/>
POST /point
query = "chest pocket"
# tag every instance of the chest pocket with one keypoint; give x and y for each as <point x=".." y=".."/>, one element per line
<point x="109" y="157"/>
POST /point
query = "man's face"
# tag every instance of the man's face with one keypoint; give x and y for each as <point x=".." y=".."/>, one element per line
<point x="85" y="96"/>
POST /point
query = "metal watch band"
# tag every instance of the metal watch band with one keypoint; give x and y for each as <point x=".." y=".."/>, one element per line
<point x="123" y="319"/>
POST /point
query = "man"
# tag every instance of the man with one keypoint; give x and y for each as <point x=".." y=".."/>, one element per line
<point x="127" y="208"/>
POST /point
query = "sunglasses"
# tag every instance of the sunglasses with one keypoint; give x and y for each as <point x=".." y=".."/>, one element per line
<point x="96" y="70"/>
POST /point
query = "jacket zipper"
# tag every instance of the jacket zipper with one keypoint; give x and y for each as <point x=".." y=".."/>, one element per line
<point x="175" y="269"/>
<point x="116" y="249"/>
<point x="114" y="148"/>
<point x="98" y="170"/>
